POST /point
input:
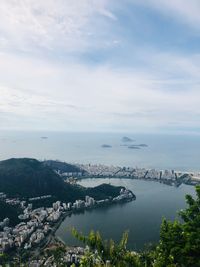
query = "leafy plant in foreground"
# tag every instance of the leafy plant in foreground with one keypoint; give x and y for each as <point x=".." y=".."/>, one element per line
<point x="106" y="253"/>
<point x="179" y="244"/>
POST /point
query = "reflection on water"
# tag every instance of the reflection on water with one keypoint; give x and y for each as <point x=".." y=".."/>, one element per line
<point x="141" y="217"/>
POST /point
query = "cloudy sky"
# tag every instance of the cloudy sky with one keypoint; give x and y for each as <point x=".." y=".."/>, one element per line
<point x="100" y="65"/>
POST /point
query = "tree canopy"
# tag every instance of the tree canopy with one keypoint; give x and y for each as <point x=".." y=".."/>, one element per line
<point x="106" y="253"/>
<point x="179" y="244"/>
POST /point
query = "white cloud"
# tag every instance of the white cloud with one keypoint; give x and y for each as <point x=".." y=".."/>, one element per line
<point x="65" y="24"/>
<point x="77" y="97"/>
<point x="187" y="12"/>
<point x="39" y="92"/>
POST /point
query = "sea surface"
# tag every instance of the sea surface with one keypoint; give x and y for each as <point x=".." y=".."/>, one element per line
<point x="154" y="200"/>
<point x="179" y="152"/>
<point x="142" y="217"/>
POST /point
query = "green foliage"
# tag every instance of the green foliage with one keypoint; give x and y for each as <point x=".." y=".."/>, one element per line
<point x="106" y="253"/>
<point x="27" y="177"/>
<point x="179" y="243"/>
<point x="9" y="211"/>
<point x="62" y="166"/>
<point x="30" y="178"/>
<point x="103" y="191"/>
<point x="3" y="258"/>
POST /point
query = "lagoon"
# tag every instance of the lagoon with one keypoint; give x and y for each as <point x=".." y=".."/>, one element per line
<point x="142" y="217"/>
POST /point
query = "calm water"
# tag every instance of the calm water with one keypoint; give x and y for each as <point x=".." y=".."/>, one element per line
<point x="141" y="217"/>
<point x="163" y="151"/>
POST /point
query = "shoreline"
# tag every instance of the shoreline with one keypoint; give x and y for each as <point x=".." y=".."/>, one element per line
<point x="169" y="182"/>
<point x="51" y="237"/>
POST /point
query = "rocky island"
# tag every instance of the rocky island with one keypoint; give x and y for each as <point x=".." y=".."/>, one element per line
<point x="127" y="139"/>
<point x="134" y="147"/>
<point x="106" y="146"/>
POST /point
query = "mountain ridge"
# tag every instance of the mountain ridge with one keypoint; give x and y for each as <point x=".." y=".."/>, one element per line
<point x="28" y="177"/>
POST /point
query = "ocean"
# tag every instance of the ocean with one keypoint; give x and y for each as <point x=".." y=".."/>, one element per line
<point x="178" y="152"/>
<point x="141" y="217"/>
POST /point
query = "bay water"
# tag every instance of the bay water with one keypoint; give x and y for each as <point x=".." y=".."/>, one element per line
<point x="142" y="217"/>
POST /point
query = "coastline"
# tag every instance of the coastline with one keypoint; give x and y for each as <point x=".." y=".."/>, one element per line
<point x="167" y="182"/>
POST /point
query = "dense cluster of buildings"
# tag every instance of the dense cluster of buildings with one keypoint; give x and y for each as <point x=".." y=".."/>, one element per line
<point x="4" y="223"/>
<point x="124" y="194"/>
<point x="39" y="198"/>
<point x="36" y="223"/>
<point x="99" y="169"/>
<point x="10" y="201"/>
<point x="31" y="231"/>
<point x="141" y="173"/>
<point x="70" y="256"/>
<point x="166" y="176"/>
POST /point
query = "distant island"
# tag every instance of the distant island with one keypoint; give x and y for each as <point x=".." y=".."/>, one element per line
<point x="137" y="146"/>
<point x="127" y="139"/>
<point x="44" y="137"/>
<point x="134" y="147"/>
<point x="106" y="146"/>
<point x="143" y="145"/>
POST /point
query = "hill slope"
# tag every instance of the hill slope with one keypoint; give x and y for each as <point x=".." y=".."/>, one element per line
<point x="27" y="177"/>
<point x="62" y="166"/>
<point x="9" y="211"/>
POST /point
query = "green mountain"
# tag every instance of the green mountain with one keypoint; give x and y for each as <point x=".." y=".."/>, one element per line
<point x="26" y="177"/>
<point x="9" y="211"/>
<point x="62" y="166"/>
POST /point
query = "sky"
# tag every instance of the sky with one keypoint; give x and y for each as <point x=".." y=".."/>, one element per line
<point x="100" y="65"/>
